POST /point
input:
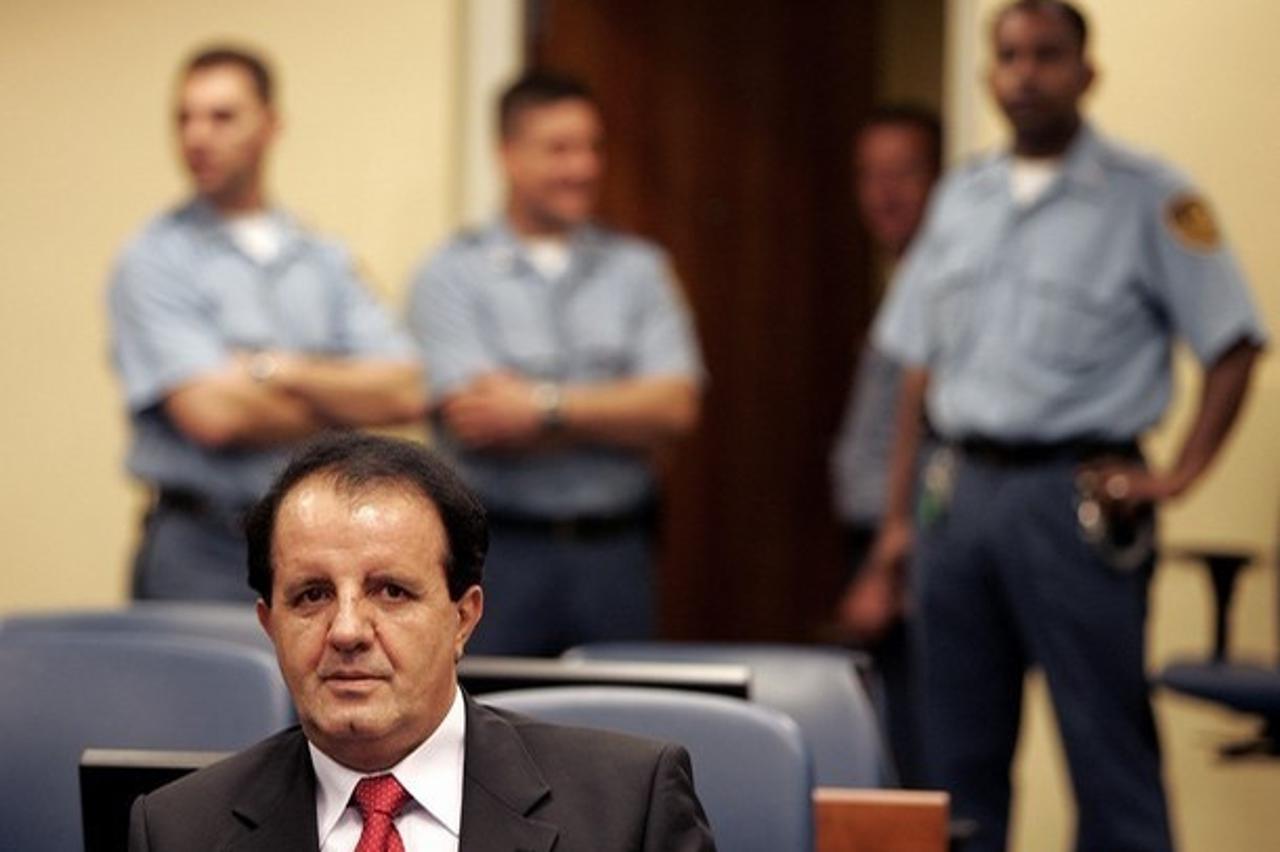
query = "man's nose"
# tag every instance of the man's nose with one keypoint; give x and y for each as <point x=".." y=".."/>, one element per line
<point x="1025" y="69"/>
<point x="585" y="164"/>
<point x="194" y="132"/>
<point x="351" y="626"/>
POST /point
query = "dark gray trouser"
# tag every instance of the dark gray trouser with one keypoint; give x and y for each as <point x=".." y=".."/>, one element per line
<point x="544" y="594"/>
<point x="1006" y="581"/>
<point x="899" y="700"/>
<point x="184" y="557"/>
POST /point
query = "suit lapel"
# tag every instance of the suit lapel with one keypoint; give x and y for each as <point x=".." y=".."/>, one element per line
<point x="501" y="787"/>
<point x="278" y="807"/>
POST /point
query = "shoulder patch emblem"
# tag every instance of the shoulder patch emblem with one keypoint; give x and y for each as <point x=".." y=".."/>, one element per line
<point x="1188" y="218"/>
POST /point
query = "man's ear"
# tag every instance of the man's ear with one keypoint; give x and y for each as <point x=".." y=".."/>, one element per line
<point x="470" y="608"/>
<point x="1090" y="76"/>
<point x="264" y="618"/>
<point x="505" y="158"/>
<point x="276" y="123"/>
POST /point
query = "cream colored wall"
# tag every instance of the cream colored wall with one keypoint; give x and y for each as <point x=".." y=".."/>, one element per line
<point x="368" y="154"/>
<point x="1195" y="82"/>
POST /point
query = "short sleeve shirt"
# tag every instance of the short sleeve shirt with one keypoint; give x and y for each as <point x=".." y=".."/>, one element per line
<point x="1057" y="320"/>
<point x="860" y="458"/>
<point x="478" y="305"/>
<point x="184" y="298"/>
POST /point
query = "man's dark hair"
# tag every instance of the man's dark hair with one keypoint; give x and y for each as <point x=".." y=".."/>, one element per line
<point x="224" y="54"/>
<point x="534" y="89"/>
<point x="355" y="462"/>
<point x="910" y="115"/>
<point x="1073" y="17"/>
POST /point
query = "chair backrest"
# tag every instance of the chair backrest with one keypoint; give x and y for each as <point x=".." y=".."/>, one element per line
<point x="65" y="692"/>
<point x="481" y="674"/>
<point x="817" y="686"/>
<point x="229" y="622"/>
<point x="750" y="763"/>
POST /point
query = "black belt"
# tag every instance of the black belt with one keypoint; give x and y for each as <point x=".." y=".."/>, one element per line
<point x="228" y="515"/>
<point x="577" y="528"/>
<point x="1026" y="453"/>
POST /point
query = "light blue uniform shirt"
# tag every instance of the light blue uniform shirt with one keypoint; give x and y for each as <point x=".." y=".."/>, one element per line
<point x="1057" y="320"/>
<point x="860" y="458"/>
<point x="479" y="306"/>
<point x="184" y="298"/>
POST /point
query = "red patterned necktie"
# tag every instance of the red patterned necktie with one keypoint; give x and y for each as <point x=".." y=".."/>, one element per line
<point x="379" y="799"/>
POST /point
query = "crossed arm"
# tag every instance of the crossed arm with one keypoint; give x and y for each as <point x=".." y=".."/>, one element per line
<point x="501" y="410"/>
<point x="293" y="397"/>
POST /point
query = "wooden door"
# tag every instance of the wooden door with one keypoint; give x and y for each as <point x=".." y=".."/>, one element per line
<point x="728" y="138"/>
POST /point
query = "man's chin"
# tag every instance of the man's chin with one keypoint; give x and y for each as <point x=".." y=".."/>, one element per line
<point x="209" y="185"/>
<point x="353" y="725"/>
<point x="568" y="216"/>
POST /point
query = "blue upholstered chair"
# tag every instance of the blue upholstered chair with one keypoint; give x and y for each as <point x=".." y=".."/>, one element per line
<point x="818" y="687"/>
<point x="229" y="622"/>
<point x="750" y="763"/>
<point x="65" y="692"/>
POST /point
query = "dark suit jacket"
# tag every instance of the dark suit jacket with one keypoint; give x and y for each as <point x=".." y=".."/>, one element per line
<point x="529" y="786"/>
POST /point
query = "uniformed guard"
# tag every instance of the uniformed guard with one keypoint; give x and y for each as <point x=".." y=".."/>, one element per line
<point x="1038" y="312"/>
<point x="560" y="355"/>
<point x="236" y="334"/>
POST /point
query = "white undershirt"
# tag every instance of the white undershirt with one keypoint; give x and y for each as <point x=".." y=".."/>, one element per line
<point x="1031" y="177"/>
<point x="549" y="255"/>
<point x="432" y="773"/>
<point x="256" y="234"/>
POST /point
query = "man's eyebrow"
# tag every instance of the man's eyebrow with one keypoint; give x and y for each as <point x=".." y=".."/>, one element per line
<point x="400" y="576"/>
<point x="306" y="581"/>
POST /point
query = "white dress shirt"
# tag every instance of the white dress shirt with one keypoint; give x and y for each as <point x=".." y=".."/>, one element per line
<point x="431" y="773"/>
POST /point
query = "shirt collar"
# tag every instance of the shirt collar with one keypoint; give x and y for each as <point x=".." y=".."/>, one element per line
<point x="1083" y="164"/>
<point x="431" y="773"/>
<point x="506" y="249"/>
<point x="202" y="212"/>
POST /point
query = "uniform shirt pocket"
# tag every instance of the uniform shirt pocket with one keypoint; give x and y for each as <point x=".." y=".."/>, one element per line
<point x="602" y="346"/>
<point x="1062" y="328"/>
<point x="522" y="336"/>
<point x="952" y="309"/>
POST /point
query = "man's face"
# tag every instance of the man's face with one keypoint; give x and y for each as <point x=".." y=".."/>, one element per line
<point x="224" y="129"/>
<point x="553" y="159"/>
<point x="362" y="623"/>
<point x="1038" y="73"/>
<point x="893" y="173"/>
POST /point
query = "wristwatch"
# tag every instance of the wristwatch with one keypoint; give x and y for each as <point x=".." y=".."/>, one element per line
<point x="262" y="367"/>
<point x="548" y="397"/>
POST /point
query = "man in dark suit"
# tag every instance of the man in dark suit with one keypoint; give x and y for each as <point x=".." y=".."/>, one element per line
<point x="367" y="554"/>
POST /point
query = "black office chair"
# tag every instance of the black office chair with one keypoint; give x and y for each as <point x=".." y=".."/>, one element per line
<point x="1250" y="688"/>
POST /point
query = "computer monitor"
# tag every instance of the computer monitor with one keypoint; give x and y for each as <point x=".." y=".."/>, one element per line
<point x="482" y="674"/>
<point x="111" y="779"/>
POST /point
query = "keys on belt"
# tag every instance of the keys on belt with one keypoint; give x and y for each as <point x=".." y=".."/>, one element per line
<point x="1124" y="535"/>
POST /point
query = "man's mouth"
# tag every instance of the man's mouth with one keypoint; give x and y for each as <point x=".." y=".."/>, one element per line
<point x="201" y="168"/>
<point x="350" y="677"/>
